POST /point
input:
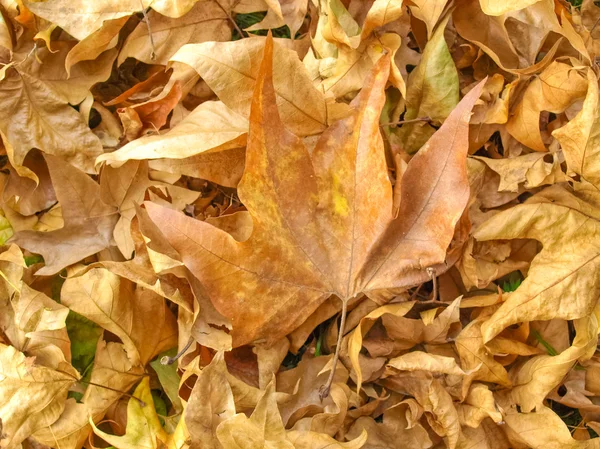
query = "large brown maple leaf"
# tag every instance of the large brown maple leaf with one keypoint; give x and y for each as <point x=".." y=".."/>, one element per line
<point x="323" y="222"/>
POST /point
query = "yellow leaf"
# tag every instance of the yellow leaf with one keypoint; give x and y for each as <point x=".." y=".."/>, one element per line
<point x="143" y="426"/>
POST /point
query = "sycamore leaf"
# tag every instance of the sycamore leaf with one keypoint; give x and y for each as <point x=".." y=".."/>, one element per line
<point x="429" y="11"/>
<point x="490" y="34"/>
<point x="301" y="386"/>
<point x="283" y="12"/>
<point x="169" y="378"/>
<point x="530" y="170"/>
<point x="88" y="224"/>
<point x="125" y="187"/>
<point x="543" y="429"/>
<point x="381" y="13"/>
<point x="431" y="395"/>
<point x="81" y="19"/>
<point x="302" y="107"/>
<point x="33" y="395"/>
<point x="474" y="356"/>
<point x="41" y="118"/>
<point x="479" y="404"/>
<point x="48" y="67"/>
<point x="356" y="338"/>
<point x="96" y="43"/>
<point x="354" y="65"/>
<point x="422" y="361"/>
<point x="32" y="322"/>
<point x="317" y="227"/>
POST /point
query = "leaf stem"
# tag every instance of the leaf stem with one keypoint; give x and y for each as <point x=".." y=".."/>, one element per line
<point x="433" y="276"/>
<point x="153" y="52"/>
<point x="403" y="122"/>
<point x="232" y="20"/>
<point x="142" y="403"/>
<point x="166" y="360"/>
<point x="327" y="387"/>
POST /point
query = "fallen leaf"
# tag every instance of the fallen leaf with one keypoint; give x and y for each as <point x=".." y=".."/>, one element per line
<point x="88" y="224"/>
<point x="308" y="268"/>
<point x="36" y="394"/>
<point x="41" y="118"/>
<point x="303" y="107"/>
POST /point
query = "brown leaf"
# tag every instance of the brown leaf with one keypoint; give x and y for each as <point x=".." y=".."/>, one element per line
<point x="35" y="395"/>
<point x="41" y="118"/>
<point x="88" y="225"/>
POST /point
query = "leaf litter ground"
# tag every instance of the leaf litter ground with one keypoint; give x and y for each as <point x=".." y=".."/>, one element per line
<point x="299" y="224"/>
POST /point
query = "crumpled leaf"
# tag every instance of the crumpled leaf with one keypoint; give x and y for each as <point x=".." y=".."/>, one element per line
<point x="534" y="379"/>
<point x="578" y="137"/>
<point x="34" y="395"/>
<point x="264" y="428"/>
<point x="80" y="19"/>
<point x="556" y="276"/>
<point x="543" y="429"/>
<point x="113" y="369"/>
<point x="41" y="118"/>
<point x="33" y="323"/>
<point x="497" y="7"/>
<point x="394" y="432"/>
<point x="554" y="90"/>
<point x="208" y="130"/>
<point x="422" y="361"/>
<point x="88" y="223"/>
<point x="303" y="108"/>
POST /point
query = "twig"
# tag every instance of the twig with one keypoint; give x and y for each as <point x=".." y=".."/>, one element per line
<point x="432" y="275"/>
<point x="403" y="122"/>
<point x="124" y="393"/>
<point x="325" y="388"/>
<point x="416" y="292"/>
<point x="232" y="20"/>
<point x="142" y="403"/>
<point x="153" y="52"/>
<point x="166" y="360"/>
<point x="591" y="31"/>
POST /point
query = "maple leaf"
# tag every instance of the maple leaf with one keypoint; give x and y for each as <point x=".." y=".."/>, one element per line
<point x="323" y="225"/>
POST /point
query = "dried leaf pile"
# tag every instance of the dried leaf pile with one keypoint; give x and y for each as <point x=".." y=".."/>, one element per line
<point x="310" y="224"/>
